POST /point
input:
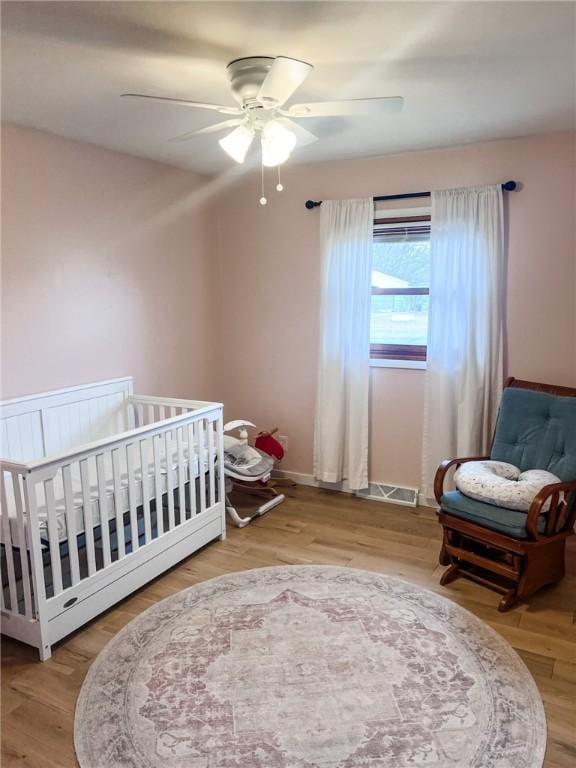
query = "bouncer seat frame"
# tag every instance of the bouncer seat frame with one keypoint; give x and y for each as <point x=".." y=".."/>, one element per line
<point x="255" y="482"/>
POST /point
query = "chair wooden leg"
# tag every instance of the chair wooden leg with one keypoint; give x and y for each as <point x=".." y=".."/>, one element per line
<point x="450" y="574"/>
<point x="508" y="601"/>
<point x="443" y="557"/>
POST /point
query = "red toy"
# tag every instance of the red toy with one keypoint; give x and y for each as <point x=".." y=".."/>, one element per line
<point x="267" y="443"/>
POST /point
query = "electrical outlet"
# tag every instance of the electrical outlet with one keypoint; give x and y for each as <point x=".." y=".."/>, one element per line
<point x="283" y="440"/>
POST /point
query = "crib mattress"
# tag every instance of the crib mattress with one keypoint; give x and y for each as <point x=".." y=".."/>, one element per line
<point x="191" y="469"/>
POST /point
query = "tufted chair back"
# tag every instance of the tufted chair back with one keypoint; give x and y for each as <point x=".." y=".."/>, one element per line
<point x="537" y="430"/>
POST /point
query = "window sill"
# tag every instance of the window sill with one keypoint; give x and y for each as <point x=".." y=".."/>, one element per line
<point x="417" y="364"/>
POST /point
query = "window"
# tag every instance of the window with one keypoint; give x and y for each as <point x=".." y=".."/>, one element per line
<point x="400" y="285"/>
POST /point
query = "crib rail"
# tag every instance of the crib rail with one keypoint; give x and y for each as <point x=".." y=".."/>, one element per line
<point x="148" y="409"/>
<point x="69" y="522"/>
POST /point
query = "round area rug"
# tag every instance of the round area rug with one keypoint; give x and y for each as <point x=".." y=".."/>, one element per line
<point x="294" y="667"/>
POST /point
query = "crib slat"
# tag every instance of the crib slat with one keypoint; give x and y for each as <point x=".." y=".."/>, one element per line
<point x="211" y="468"/>
<point x="7" y="537"/>
<point x="132" y="497"/>
<point x="181" y="474"/>
<point x="199" y="434"/>
<point x="71" y="524"/>
<point x="158" y="484"/>
<point x="172" y="411"/>
<point x="118" y="508"/>
<point x="87" y="515"/>
<point x="53" y="540"/>
<point x="169" y="479"/>
<point x="28" y="608"/>
<point x="145" y="479"/>
<point x="151" y="418"/>
<point x="103" y="509"/>
<point x="192" y="459"/>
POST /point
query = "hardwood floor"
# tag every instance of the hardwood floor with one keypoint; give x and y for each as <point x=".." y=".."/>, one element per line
<point x="312" y="526"/>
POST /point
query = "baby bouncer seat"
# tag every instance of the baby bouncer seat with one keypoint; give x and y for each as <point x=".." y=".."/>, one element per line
<point x="248" y="468"/>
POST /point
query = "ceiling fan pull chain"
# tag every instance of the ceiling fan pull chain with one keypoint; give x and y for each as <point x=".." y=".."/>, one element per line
<point x="279" y="186"/>
<point x="263" y="200"/>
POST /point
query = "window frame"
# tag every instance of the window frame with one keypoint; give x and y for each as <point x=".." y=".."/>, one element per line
<point x="415" y="353"/>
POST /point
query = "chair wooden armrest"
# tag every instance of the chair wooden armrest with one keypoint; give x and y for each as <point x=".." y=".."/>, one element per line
<point x="561" y="496"/>
<point x="443" y="469"/>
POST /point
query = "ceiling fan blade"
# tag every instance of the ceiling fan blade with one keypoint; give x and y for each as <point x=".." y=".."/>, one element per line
<point x="283" y="78"/>
<point x="303" y="136"/>
<point x="375" y="106"/>
<point x="185" y="103"/>
<point x="209" y="129"/>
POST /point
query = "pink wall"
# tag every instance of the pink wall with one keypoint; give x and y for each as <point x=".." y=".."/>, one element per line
<point x="105" y="269"/>
<point x="269" y="271"/>
<point x="114" y="265"/>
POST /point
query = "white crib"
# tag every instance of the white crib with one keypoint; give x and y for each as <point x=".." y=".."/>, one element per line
<point x="101" y="491"/>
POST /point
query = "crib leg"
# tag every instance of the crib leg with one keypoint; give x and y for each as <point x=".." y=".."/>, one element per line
<point x="41" y="640"/>
<point x="45" y="652"/>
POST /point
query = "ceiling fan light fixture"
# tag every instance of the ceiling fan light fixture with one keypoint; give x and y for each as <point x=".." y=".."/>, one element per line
<point x="277" y="144"/>
<point x="262" y="86"/>
<point x="237" y="143"/>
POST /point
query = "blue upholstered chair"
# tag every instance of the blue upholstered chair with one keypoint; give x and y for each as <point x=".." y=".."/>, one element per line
<point x="514" y="552"/>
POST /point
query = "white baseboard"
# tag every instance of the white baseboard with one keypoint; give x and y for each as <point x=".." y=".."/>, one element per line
<point x="301" y="478"/>
<point x="298" y="477"/>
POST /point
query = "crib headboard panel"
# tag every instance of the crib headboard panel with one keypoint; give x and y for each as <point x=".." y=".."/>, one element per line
<point x="21" y="436"/>
<point x="39" y="425"/>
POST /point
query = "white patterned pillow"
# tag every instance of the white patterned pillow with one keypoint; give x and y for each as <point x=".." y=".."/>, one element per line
<point x="501" y="484"/>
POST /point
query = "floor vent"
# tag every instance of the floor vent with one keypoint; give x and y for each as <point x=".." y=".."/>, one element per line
<point x="392" y="494"/>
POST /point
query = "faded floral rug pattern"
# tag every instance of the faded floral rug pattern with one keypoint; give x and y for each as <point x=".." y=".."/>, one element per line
<point x="295" y="667"/>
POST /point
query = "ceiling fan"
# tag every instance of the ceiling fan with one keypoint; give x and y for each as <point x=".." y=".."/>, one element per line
<point x="262" y="85"/>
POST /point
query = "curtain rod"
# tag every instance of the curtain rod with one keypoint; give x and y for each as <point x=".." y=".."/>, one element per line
<point x="508" y="186"/>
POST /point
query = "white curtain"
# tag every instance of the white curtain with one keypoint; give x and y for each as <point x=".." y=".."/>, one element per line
<point x="465" y="332"/>
<point x="341" y="428"/>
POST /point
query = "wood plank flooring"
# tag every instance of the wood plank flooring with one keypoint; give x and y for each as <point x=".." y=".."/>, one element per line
<point x="312" y="526"/>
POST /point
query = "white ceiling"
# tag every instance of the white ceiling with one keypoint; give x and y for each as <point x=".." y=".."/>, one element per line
<point x="469" y="71"/>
